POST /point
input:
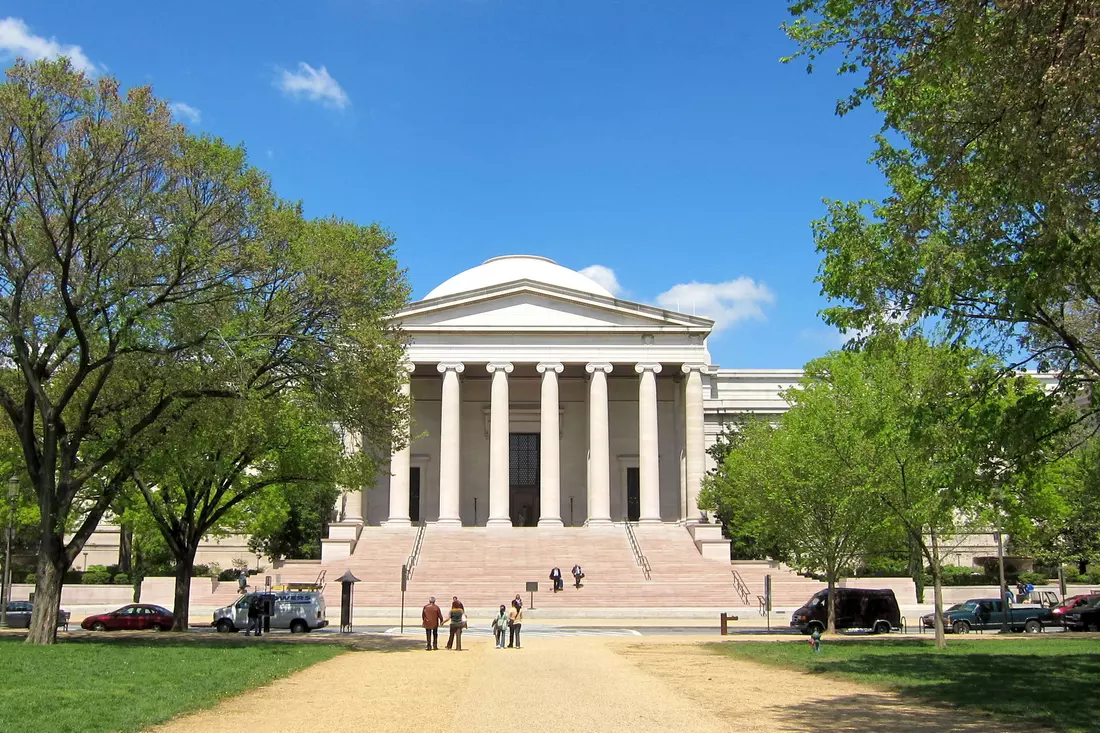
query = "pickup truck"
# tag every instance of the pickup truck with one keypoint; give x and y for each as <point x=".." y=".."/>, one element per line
<point x="988" y="613"/>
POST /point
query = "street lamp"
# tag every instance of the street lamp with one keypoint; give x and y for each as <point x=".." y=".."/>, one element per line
<point x="5" y="580"/>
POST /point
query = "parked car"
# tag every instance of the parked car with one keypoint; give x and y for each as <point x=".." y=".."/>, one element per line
<point x="927" y="619"/>
<point x="19" y="615"/>
<point x="856" y="608"/>
<point x="1085" y="617"/>
<point x="989" y="613"/>
<point x="1073" y="602"/>
<point x="135" y="617"/>
<point x="299" y="611"/>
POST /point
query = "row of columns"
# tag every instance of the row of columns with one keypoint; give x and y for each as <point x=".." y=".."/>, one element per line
<point x="599" y="479"/>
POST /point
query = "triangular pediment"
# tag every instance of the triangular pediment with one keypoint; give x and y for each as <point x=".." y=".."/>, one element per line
<point x="530" y="306"/>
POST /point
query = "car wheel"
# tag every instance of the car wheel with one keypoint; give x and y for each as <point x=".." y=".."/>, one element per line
<point x="882" y="627"/>
<point x="1033" y="626"/>
<point x="99" y="626"/>
<point x="1094" y="627"/>
<point x="226" y="626"/>
<point x="960" y="627"/>
<point x="298" y="626"/>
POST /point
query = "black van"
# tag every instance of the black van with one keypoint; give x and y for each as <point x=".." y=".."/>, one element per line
<point x="856" y="608"/>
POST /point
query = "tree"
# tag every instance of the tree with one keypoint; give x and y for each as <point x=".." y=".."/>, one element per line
<point x="198" y="481"/>
<point x="289" y="520"/>
<point x="992" y="223"/>
<point x="799" y="491"/>
<point x="146" y="273"/>
<point x="1069" y="528"/>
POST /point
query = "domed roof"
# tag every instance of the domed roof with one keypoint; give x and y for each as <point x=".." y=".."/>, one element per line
<point x="499" y="270"/>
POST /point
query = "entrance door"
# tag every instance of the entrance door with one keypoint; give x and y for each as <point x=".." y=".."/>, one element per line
<point x="633" y="495"/>
<point x="414" y="494"/>
<point x="523" y="478"/>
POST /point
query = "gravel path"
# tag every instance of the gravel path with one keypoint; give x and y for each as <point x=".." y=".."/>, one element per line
<point x="586" y="685"/>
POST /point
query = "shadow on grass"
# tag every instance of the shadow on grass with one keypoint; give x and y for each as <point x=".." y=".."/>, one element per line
<point x="859" y="713"/>
<point x="214" y="640"/>
<point x="1053" y="690"/>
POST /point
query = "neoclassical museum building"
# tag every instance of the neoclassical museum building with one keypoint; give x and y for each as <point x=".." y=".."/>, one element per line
<point x="541" y="399"/>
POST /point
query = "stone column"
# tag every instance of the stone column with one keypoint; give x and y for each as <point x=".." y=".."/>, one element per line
<point x="498" y="446"/>
<point x="450" y="426"/>
<point x="693" y="437"/>
<point x="649" y="474"/>
<point x="550" y="447"/>
<point x="353" y="499"/>
<point x="599" y="447"/>
<point x="400" y="463"/>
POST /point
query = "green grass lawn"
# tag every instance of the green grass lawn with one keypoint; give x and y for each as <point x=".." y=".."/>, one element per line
<point x="126" y="683"/>
<point x="1051" y="680"/>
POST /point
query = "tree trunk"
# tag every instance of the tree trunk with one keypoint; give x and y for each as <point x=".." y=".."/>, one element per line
<point x="125" y="548"/>
<point x="181" y="603"/>
<point x="49" y="577"/>
<point x="937" y="591"/>
<point x="831" y="607"/>
<point x="916" y="569"/>
<point x="1082" y="566"/>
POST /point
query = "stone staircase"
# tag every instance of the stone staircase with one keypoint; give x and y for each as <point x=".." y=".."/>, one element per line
<point x="486" y="567"/>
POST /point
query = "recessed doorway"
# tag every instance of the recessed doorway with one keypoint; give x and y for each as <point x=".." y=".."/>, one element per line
<point x="633" y="495"/>
<point x="414" y="494"/>
<point x="523" y="479"/>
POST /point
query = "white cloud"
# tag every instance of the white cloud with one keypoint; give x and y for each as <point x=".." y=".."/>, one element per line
<point x="828" y="337"/>
<point x="186" y="113"/>
<point x="16" y="39"/>
<point x="604" y="276"/>
<point x="316" y="85"/>
<point x="725" y="303"/>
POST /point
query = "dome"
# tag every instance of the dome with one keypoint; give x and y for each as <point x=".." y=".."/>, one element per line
<point x="499" y="270"/>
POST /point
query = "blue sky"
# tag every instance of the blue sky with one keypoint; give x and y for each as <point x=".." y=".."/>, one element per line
<point x="663" y="142"/>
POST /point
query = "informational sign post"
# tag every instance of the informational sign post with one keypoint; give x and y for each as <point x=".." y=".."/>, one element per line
<point x="404" y="587"/>
<point x="768" y="600"/>
<point x="532" y="588"/>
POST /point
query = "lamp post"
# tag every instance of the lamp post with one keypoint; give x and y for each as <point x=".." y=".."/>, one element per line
<point x="5" y="580"/>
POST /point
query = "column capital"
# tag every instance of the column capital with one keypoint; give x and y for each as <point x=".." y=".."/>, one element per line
<point x="408" y="366"/>
<point x="593" y="367"/>
<point x="550" y="366"/>
<point x="450" y="366"/>
<point x="503" y="366"/>
<point x="647" y="367"/>
<point x="689" y="368"/>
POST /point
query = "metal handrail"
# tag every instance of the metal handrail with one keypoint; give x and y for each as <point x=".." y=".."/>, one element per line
<point x="637" y="550"/>
<point x="414" y="557"/>
<point x="760" y="603"/>
<point x="740" y="587"/>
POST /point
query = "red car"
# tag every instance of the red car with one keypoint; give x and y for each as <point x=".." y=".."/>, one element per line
<point x="1073" y="602"/>
<point x="135" y="617"/>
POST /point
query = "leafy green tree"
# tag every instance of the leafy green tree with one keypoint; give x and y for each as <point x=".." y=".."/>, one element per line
<point x="797" y="490"/>
<point x="289" y="519"/>
<point x="1069" y="528"/>
<point x="146" y="273"/>
<point x="198" y="482"/>
<point x="992" y="223"/>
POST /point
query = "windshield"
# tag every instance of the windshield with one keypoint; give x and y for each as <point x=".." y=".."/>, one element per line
<point x="817" y="600"/>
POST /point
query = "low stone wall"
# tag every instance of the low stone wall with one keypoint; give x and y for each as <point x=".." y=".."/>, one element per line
<point x="82" y="595"/>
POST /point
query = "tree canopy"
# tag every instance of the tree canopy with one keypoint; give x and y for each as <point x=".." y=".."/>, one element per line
<point x="147" y="273"/>
<point x="991" y="227"/>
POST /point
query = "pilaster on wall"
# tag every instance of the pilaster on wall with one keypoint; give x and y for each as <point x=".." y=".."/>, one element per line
<point x="710" y="542"/>
<point x="341" y="540"/>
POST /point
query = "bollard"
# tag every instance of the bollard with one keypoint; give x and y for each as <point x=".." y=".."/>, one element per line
<point x="725" y="619"/>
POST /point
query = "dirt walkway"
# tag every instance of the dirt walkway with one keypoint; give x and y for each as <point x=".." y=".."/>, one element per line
<point x="586" y="685"/>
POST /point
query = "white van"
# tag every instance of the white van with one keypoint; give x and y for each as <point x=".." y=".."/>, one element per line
<point x="299" y="611"/>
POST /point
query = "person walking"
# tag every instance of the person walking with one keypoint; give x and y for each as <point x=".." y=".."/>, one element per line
<point x="555" y="578"/>
<point x="458" y="623"/>
<point x="255" y="620"/>
<point x="518" y="600"/>
<point x="515" y="621"/>
<point x="500" y="626"/>
<point x="242" y="583"/>
<point x="578" y="575"/>
<point x="432" y="619"/>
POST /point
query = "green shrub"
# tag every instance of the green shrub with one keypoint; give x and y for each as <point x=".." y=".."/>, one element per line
<point x="31" y="578"/>
<point x="121" y="579"/>
<point x="96" y="575"/>
<point x="1034" y="578"/>
<point x="884" y="567"/>
<point x="229" y="574"/>
<point x="200" y="571"/>
<point x="73" y="577"/>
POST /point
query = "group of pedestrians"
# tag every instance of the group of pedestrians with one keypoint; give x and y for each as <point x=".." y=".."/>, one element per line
<point x="506" y="624"/>
<point x="555" y="577"/>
